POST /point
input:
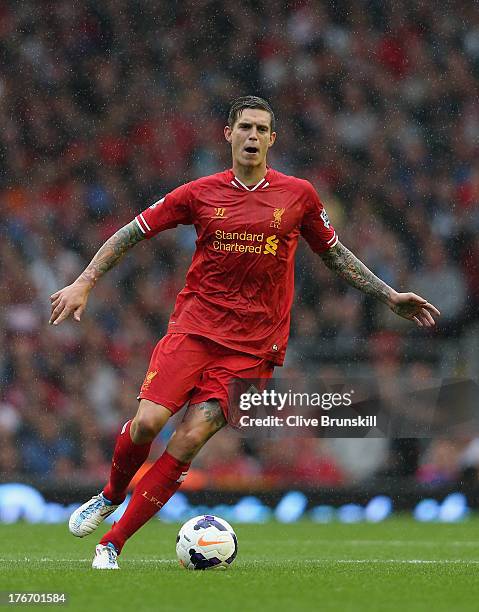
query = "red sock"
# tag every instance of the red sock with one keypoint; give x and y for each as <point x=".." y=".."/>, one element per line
<point x="150" y="494"/>
<point x="127" y="460"/>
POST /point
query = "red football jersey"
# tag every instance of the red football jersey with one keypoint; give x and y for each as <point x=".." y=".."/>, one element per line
<point x="240" y="285"/>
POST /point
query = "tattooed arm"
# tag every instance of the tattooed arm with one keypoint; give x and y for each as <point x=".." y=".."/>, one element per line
<point x="74" y="297"/>
<point x="407" y="305"/>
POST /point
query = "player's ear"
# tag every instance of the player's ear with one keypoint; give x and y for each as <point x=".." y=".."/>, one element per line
<point x="227" y="133"/>
<point x="272" y="139"/>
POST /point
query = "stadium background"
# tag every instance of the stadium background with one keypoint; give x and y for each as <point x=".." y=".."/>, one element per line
<point x="105" y="108"/>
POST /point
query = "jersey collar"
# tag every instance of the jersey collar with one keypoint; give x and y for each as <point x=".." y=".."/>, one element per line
<point x="262" y="184"/>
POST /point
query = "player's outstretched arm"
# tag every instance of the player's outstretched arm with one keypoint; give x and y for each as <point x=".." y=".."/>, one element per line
<point x="407" y="305"/>
<point x="74" y="297"/>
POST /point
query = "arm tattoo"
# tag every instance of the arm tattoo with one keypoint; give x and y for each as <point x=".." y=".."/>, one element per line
<point x="340" y="260"/>
<point x="111" y="252"/>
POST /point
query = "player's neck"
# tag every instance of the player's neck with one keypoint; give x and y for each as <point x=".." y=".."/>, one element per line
<point x="249" y="176"/>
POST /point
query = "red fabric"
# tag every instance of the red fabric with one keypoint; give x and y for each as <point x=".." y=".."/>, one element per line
<point x="392" y="55"/>
<point x="186" y="368"/>
<point x="56" y="194"/>
<point x="128" y="457"/>
<point x="468" y="194"/>
<point x="113" y="150"/>
<point x="239" y="288"/>
<point x="151" y="493"/>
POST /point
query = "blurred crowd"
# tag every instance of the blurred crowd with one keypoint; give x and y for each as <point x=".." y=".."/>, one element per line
<point x="105" y="107"/>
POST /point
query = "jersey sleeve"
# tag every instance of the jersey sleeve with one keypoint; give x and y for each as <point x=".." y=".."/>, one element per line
<point x="316" y="227"/>
<point x="170" y="211"/>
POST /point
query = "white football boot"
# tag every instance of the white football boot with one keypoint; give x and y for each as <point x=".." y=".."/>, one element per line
<point x="105" y="558"/>
<point x="85" y="519"/>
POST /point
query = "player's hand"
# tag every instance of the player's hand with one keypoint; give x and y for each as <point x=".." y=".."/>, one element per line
<point x="415" y="308"/>
<point x="69" y="300"/>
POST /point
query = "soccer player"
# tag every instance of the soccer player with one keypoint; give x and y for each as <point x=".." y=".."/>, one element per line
<point x="231" y="320"/>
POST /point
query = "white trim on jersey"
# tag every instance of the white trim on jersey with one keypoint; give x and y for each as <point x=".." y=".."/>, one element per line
<point x="139" y="225"/>
<point x="146" y="224"/>
<point x="158" y="202"/>
<point x="257" y="185"/>
<point x="265" y="185"/>
<point x="235" y="185"/>
<point x="123" y="429"/>
<point x="252" y="188"/>
<point x="331" y="239"/>
<point x="336" y="238"/>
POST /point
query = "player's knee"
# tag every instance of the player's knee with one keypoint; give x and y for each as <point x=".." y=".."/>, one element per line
<point x="144" y="429"/>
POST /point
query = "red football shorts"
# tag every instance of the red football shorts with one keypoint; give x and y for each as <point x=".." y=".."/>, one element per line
<point x="189" y="368"/>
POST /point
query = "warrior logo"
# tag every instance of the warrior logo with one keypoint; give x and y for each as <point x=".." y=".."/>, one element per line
<point x="219" y="213"/>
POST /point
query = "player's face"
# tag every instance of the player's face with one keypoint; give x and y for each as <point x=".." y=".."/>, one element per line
<point x="250" y="137"/>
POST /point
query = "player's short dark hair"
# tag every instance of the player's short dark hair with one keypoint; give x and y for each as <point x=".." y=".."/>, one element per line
<point x="238" y="106"/>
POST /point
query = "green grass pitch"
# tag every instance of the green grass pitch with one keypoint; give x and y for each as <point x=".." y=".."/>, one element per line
<point x="395" y="565"/>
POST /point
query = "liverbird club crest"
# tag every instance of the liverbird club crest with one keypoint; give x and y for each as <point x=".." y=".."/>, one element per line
<point x="277" y="214"/>
<point x="149" y="377"/>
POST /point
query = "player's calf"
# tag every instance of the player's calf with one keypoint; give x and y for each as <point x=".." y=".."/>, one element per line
<point x="201" y="422"/>
<point x="133" y="446"/>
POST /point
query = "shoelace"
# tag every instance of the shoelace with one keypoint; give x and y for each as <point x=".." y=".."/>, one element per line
<point x="111" y="554"/>
<point x="89" y="511"/>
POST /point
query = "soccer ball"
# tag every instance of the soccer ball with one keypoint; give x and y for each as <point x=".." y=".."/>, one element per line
<point x="206" y="542"/>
